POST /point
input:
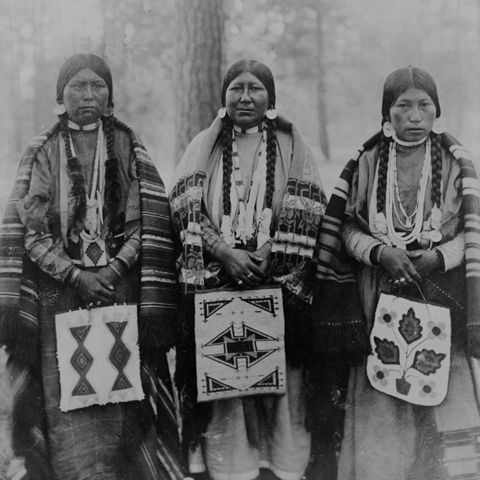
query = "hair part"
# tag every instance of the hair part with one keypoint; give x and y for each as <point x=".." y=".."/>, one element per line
<point x="400" y="81"/>
<point x="260" y="70"/>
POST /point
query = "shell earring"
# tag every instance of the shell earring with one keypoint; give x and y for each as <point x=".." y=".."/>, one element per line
<point x="272" y="113"/>
<point x="388" y="129"/>
<point x="222" y="112"/>
<point x="438" y="126"/>
<point x="59" y="109"/>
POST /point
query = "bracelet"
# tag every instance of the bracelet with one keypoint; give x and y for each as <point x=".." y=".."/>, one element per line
<point x="115" y="268"/>
<point x="74" y="277"/>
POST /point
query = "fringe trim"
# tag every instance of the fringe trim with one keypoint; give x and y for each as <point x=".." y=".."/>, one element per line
<point x="157" y="332"/>
<point x="348" y="340"/>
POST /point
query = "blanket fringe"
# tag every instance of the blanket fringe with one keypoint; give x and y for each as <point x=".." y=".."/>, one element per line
<point x="349" y="340"/>
<point x="158" y="332"/>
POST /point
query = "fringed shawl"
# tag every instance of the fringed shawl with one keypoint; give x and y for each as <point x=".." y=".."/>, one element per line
<point x="19" y="323"/>
<point x="301" y="212"/>
<point x="290" y="263"/>
<point x="338" y="322"/>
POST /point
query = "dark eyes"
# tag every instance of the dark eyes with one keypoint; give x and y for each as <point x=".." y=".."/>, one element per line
<point x="93" y="85"/>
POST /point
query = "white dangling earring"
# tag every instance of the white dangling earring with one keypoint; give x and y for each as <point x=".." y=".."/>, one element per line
<point x="388" y="129"/>
<point x="59" y="109"/>
<point x="272" y="113"/>
<point x="222" y="112"/>
<point x="438" y="126"/>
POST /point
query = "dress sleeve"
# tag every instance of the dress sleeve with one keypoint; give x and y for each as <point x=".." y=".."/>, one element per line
<point x="358" y="243"/>
<point x="34" y="209"/>
<point x="453" y="252"/>
<point x="130" y="250"/>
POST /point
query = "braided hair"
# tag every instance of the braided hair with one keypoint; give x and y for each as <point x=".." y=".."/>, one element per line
<point x="113" y="188"/>
<point x="436" y="149"/>
<point x="383" y="151"/>
<point x="264" y="74"/>
<point x="76" y="175"/>
<point x="397" y="83"/>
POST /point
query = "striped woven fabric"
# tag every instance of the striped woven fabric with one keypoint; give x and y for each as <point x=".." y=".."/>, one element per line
<point x="158" y="306"/>
<point x="337" y="315"/>
<point x="294" y="241"/>
<point x="19" y="320"/>
<point x="461" y="454"/>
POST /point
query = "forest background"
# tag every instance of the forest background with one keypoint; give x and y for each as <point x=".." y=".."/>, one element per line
<point x="329" y="58"/>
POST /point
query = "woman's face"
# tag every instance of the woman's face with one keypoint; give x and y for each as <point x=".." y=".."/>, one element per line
<point x="246" y="100"/>
<point x="412" y="115"/>
<point x="85" y="97"/>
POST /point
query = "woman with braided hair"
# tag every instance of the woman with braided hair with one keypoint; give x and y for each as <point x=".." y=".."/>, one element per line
<point x="410" y="224"/>
<point x="88" y="226"/>
<point x="246" y="206"/>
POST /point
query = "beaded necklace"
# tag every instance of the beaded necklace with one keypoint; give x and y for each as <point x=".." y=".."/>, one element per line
<point x="246" y="211"/>
<point x="392" y="193"/>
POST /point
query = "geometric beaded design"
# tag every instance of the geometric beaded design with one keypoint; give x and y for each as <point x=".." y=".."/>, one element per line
<point x="81" y="361"/>
<point x="119" y="355"/>
<point x="94" y="252"/>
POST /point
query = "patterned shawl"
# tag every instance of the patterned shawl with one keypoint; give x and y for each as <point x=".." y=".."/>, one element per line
<point x="338" y="323"/>
<point x="290" y="264"/>
<point x="294" y="240"/>
<point x="19" y="324"/>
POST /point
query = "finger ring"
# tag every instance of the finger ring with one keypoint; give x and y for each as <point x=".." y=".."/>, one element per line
<point x="239" y="282"/>
<point x="403" y="280"/>
<point x="99" y="303"/>
<point x="249" y="275"/>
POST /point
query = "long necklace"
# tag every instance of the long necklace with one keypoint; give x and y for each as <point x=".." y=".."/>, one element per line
<point x="416" y="218"/>
<point x="245" y="210"/>
<point x="94" y="217"/>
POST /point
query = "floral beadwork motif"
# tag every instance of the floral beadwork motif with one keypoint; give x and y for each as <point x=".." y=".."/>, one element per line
<point x="411" y="346"/>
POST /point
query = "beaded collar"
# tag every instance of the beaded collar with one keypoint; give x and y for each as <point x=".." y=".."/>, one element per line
<point x="257" y="129"/>
<point x="90" y="126"/>
<point x="408" y="144"/>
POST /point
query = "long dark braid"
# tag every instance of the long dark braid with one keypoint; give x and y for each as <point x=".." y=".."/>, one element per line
<point x="383" y="151"/>
<point x="113" y="188"/>
<point x="436" y="152"/>
<point x="75" y="173"/>
<point x="271" y="161"/>
<point x="227" y="163"/>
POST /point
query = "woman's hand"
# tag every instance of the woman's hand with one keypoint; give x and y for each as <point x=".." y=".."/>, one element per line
<point x="264" y="253"/>
<point x="244" y="268"/>
<point x="426" y="261"/>
<point x="399" y="266"/>
<point x="94" y="288"/>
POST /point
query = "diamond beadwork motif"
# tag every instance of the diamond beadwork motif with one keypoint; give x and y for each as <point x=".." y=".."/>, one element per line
<point x="81" y="361"/>
<point x="119" y="355"/>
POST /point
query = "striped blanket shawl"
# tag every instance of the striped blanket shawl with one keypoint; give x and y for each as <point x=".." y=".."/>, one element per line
<point x="19" y="323"/>
<point x="338" y="322"/>
<point x="300" y="215"/>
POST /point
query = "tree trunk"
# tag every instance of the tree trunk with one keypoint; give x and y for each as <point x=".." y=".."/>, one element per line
<point x="321" y="86"/>
<point x="199" y="63"/>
